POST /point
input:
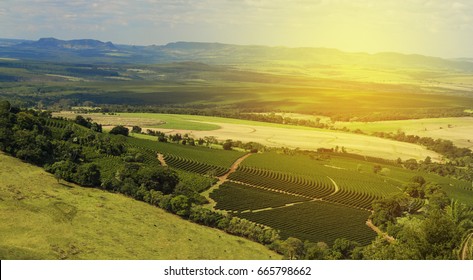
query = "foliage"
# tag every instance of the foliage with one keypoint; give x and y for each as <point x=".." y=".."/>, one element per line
<point x="119" y="130"/>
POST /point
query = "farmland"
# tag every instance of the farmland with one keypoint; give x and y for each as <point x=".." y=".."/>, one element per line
<point x="268" y="184"/>
<point x="272" y="135"/>
<point x="317" y="221"/>
<point x="457" y="130"/>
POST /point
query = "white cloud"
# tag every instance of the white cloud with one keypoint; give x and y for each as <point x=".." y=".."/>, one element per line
<point x="245" y="21"/>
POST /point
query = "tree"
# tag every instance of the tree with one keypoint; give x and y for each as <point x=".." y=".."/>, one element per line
<point x="343" y="248"/>
<point x="120" y="130"/>
<point x="428" y="160"/>
<point x="136" y="129"/>
<point x="377" y="168"/>
<point x="315" y="251"/>
<point x="180" y="205"/>
<point x="63" y="170"/>
<point x="157" y="178"/>
<point x="88" y="175"/>
<point x="386" y="210"/>
<point x="4" y="107"/>
<point x="227" y="145"/>
<point x="80" y="120"/>
<point x="293" y="248"/>
<point x="418" y="180"/>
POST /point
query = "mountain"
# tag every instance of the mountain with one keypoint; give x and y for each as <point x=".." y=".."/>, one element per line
<point x="94" y="51"/>
<point x="52" y="43"/>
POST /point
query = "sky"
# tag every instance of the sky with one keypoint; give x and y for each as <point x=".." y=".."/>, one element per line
<point x="430" y="27"/>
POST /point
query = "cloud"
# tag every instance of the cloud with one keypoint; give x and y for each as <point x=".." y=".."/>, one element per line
<point x="298" y="22"/>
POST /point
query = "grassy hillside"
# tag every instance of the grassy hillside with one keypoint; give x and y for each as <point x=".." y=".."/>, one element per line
<point x="43" y="219"/>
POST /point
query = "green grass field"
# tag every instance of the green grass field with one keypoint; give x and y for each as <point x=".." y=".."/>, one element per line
<point x="272" y="135"/>
<point x="41" y="219"/>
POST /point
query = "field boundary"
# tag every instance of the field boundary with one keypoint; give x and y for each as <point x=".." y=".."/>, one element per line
<point x="337" y="188"/>
<point x="222" y="179"/>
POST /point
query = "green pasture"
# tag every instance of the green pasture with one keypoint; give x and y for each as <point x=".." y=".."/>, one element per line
<point x="43" y="219"/>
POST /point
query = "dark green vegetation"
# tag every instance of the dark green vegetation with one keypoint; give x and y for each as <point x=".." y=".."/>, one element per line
<point x="316" y="221"/>
<point x="250" y="198"/>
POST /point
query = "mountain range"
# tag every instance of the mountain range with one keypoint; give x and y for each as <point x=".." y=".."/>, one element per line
<point x="94" y="51"/>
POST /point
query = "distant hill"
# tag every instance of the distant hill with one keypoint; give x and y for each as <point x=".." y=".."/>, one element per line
<point x="94" y="51"/>
<point x="52" y="43"/>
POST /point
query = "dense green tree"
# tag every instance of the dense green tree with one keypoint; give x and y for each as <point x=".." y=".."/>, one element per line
<point x="119" y="130"/>
<point x="293" y="248"/>
<point x="5" y="107"/>
<point x="227" y="145"/>
<point x="157" y="178"/>
<point x="180" y="205"/>
<point x="315" y="251"/>
<point x="343" y="249"/>
<point x="88" y="175"/>
<point x="63" y="170"/>
<point x="136" y="129"/>
<point x="387" y="210"/>
<point x="80" y="120"/>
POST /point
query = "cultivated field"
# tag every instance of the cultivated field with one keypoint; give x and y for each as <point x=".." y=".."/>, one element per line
<point x="457" y="130"/>
<point x="273" y="135"/>
<point x="43" y="219"/>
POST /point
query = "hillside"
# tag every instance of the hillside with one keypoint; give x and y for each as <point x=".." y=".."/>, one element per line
<point x="43" y="219"/>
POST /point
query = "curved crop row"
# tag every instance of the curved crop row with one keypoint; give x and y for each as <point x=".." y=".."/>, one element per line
<point x="316" y="221"/>
<point x="309" y="190"/>
<point x="237" y="197"/>
<point x="220" y="158"/>
<point x="193" y="166"/>
<point x="353" y="198"/>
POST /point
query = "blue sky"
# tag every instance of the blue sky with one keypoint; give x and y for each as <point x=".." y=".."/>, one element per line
<point x="432" y="27"/>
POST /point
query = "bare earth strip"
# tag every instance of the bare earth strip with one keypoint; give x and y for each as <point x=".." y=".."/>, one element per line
<point x="222" y="179"/>
<point x="161" y="159"/>
<point x="376" y="229"/>
<point x="337" y="188"/>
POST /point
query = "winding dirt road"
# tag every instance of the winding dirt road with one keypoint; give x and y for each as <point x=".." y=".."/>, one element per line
<point x="161" y="159"/>
<point x="222" y="179"/>
<point x="376" y="229"/>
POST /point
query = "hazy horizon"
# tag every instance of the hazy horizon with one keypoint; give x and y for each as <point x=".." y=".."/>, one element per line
<point x="427" y="27"/>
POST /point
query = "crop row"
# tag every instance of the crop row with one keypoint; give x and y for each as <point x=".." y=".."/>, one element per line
<point x="57" y="123"/>
<point x="316" y="221"/>
<point x="267" y="179"/>
<point x="356" y="183"/>
<point x="109" y="165"/>
<point x="193" y="166"/>
<point x="353" y="198"/>
<point x="204" y="155"/>
<point x="286" y="177"/>
<point x="237" y="197"/>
